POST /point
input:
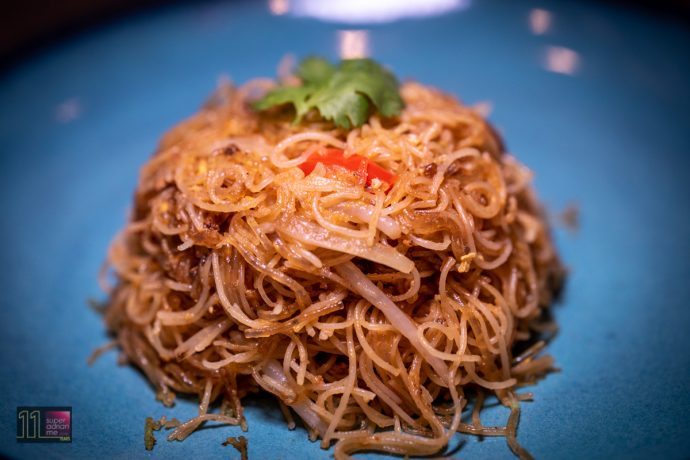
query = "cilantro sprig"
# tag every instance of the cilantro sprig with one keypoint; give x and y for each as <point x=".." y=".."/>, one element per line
<point x="343" y="94"/>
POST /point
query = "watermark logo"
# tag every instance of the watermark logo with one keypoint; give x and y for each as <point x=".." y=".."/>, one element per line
<point x="44" y="424"/>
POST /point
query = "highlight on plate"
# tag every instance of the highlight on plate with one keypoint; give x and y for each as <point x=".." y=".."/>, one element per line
<point x="366" y="252"/>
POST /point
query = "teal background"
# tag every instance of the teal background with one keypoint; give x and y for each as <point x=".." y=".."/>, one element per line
<point x="613" y="138"/>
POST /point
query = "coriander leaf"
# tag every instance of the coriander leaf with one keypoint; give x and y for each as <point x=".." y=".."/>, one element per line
<point x="342" y="94"/>
<point x="378" y="83"/>
<point x="315" y="71"/>
<point x="345" y="108"/>
<point x="344" y="98"/>
<point x="295" y="95"/>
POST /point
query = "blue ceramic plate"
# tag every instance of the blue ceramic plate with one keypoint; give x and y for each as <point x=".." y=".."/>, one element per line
<point x="595" y="99"/>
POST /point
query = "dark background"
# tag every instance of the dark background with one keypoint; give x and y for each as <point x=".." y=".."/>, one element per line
<point x="29" y="25"/>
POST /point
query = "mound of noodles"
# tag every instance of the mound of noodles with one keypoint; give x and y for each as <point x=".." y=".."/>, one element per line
<point x="372" y="314"/>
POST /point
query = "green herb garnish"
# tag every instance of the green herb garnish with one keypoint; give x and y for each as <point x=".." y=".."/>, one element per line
<point x="341" y="93"/>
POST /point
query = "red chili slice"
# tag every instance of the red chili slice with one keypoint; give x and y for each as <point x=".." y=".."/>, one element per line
<point x="358" y="164"/>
